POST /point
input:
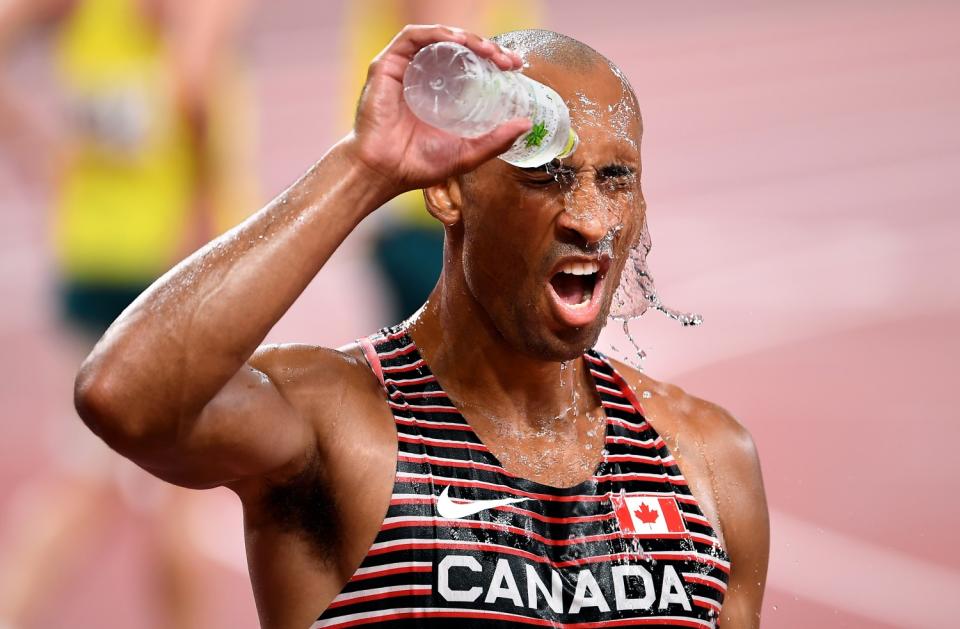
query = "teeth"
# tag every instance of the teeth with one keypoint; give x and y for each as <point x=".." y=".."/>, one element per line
<point x="580" y="268"/>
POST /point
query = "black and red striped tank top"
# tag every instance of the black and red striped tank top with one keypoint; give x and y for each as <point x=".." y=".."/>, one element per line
<point x="465" y="542"/>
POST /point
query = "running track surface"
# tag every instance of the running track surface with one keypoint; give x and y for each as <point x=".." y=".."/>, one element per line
<point x="801" y="169"/>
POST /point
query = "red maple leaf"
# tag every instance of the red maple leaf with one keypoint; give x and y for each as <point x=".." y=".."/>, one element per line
<point x="646" y="514"/>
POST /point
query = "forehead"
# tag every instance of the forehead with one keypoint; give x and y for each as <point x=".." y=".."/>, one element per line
<point x="603" y="108"/>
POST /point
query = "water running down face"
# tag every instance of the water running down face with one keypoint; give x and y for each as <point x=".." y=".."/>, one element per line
<point x="540" y="251"/>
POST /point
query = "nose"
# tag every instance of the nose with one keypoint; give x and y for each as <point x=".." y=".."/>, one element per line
<point x="586" y="217"/>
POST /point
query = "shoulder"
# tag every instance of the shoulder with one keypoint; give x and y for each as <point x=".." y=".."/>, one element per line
<point x="298" y="368"/>
<point x="288" y="357"/>
<point x="325" y="386"/>
<point x="716" y="453"/>
<point x="727" y="438"/>
<point x="719" y="460"/>
<point x="335" y="392"/>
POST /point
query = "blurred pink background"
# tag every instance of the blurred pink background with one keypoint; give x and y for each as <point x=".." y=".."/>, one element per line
<point x="800" y="163"/>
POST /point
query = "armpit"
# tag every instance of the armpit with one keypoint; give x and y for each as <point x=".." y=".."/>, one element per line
<point x="303" y="506"/>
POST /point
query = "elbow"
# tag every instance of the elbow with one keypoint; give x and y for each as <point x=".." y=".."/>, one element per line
<point x="92" y="398"/>
<point x="106" y="408"/>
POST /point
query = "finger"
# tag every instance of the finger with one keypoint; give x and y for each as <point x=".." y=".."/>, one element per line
<point x="494" y="143"/>
<point x="413" y="37"/>
<point x="512" y="60"/>
<point x="516" y="61"/>
<point x="490" y="50"/>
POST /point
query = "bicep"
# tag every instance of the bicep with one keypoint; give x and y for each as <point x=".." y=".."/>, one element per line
<point x="249" y="429"/>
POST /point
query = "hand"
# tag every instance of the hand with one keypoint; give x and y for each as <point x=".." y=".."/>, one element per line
<point x="397" y="146"/>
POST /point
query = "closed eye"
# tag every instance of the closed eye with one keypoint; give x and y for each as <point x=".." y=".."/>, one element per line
<point x="617" y="176"/>
<point x="615" y="171"/>
<point x="547" y="175"/>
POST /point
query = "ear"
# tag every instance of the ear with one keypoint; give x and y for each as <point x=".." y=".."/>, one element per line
<point x="444" y="201"/>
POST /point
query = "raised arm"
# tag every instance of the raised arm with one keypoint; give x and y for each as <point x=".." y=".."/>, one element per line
<point x="174" y="384"/>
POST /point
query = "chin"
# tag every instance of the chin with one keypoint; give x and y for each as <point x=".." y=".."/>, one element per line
<point x="549" y="345"/>
<point x="538" y="335"/>
<point x="534" y="331"/>
<point x="576" y="342"/>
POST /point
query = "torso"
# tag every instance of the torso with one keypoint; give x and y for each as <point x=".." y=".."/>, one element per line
<point x="299" y="566"/>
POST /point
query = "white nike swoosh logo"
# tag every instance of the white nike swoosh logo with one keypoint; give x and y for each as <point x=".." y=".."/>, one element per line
<point x="447" y="508"/>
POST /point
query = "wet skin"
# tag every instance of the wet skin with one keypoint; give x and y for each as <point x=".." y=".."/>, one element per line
<point x="179" y="385"/>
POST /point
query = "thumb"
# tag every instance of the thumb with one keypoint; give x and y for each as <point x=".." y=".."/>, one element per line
<point x="480" y="149"/>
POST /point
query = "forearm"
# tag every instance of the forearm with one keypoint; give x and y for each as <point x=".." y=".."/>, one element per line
<point x="183" y="343"/>
<point x="179" y="343"/>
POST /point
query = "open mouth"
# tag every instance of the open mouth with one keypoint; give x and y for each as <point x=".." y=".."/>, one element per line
<point x="575" y="289"/>
<point x="575" y="281"/>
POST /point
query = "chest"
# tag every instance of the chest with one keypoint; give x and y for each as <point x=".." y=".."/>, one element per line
<point x="463" y="532"/>
<point x="562" y="452"/>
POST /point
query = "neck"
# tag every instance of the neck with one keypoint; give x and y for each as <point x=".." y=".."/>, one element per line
<point x="484" y="374"/>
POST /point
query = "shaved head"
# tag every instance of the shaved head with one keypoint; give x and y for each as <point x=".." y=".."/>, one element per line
<point x="574" y="56"/>
<point x="550" y="46"/>
<point x="561" y="50"/>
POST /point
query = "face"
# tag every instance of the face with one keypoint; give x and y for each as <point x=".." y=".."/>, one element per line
<point x="543" y="249"/>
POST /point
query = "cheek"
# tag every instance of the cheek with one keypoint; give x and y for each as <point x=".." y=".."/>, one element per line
<point x="636" y="215"/>
<point x="507" y="227"/>
<point x="497" y="263"/>
<point x="492" y="261"/>
<point x="629" y="202"/>
<point x="629" y="235"/>
<point x="508" y="230"/>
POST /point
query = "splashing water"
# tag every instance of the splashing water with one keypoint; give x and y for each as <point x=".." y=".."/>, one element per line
<point x="637" y="293"/>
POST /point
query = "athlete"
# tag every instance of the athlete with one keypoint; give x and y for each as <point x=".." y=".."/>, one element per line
<point x="479" y="463"/>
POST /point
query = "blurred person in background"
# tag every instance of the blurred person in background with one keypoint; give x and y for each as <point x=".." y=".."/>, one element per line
<point x="407" y="247"/>
<point x="151" y="162"/>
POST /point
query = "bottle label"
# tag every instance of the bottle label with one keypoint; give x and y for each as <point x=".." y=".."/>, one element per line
<point x="544" y="107"/>
<point x="572" y="142"/>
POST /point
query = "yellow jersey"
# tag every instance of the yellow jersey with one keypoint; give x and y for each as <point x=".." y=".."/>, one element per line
<point x="126" y="193"/>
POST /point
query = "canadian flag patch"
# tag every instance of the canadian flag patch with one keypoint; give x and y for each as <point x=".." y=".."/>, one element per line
<point x="648" y="515"/>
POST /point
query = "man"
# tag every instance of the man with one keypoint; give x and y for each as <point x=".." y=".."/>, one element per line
<point x="530" y="488"/>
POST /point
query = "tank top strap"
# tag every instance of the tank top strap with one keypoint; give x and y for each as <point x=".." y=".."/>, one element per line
<point x="605" y="374"/>
<point x="392" y="356"/>
<point x="373" y="359"/>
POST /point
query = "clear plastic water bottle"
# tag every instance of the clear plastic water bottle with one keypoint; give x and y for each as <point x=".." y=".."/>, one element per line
<point x="452" y="88"/>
